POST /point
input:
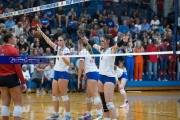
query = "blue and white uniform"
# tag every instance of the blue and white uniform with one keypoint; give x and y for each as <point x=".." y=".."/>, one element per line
<point x="120" y="74"/>
<point x="106" y="68"/>
<point x="60" y="68"/>
<point x="91" y="69"/>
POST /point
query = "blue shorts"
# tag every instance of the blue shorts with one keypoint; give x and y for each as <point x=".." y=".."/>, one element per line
<point x="92" y="75"/>
<point x="124" y="75"/>
<point x="105" y="79"/>
<point x="61" y="75"/>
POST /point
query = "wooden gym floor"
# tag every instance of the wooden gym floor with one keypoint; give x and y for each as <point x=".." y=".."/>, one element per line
<point x="151" y="105"/>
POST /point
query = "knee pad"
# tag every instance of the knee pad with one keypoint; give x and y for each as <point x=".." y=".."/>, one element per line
<point x="103" y="102"/>
<point x="5" y="110"/>
<point x="89" y="100"/>
<point x="65" y="98"/>
<point x="97" y="100"/>
<point x="54" y="98"/>
<point x="17" y="111"/>
<point x="122" y="91"/>
<point x="110" y="105"/>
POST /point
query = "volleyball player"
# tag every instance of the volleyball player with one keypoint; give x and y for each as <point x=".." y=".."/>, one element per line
<point x="107" y="81"/>
<point x="122" y="77"/>
<point x="92" y="74"/>
<point x="61" y="75"/>
<point x="9" y="80"/>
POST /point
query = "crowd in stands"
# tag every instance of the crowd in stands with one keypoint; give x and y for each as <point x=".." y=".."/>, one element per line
<point x="142" y="36"/>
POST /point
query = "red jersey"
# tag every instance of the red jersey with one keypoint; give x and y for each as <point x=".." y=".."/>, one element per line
<point x="10" y="69"/>
<point x="152" y="48"/>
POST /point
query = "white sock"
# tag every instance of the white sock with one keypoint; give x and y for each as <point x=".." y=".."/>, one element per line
<point x="88" y="112"/>
<point x="107" y="118"/>
<point x="114" y="119"/>
<point x="68" y="113"/>
<point x="99" y="112"/>
<point x="56" y="113"/>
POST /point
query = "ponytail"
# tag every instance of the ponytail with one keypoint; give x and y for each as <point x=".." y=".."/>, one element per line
<point x="86" y="45"/>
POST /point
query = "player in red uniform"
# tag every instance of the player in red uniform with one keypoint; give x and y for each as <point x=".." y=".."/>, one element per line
<point x="9" y="80"/>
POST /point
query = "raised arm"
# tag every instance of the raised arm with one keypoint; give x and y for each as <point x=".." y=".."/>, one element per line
<point x="46" y="38"/>
<point x="91" y="43"/>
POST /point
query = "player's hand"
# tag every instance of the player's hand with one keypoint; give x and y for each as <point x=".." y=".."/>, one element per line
<point x="83" y="85"/>
<point x="24" y="87"/>
<point x="79" y="82"/>
<point x="38" y="28"/>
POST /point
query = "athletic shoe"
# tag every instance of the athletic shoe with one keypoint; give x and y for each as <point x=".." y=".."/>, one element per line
<point x="54" y="117"/>
<point x="125" y="105"/>
<point x="159" y="79"/>
<point x="28" y="91"/>
<point x="66" y="117"/>
<point x="42" y="91"/>
<point x="37" y="91"/>
<point x="99" y="117"/>
<point x="85" y="117"/>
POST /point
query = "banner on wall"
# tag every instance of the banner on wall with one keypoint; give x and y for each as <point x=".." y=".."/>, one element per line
<point x="42" y="7"/>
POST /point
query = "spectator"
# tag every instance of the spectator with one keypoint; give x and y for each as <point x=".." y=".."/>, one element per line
<point x="83" y="23"/>
<point x="152" y="60"/>
<point x="163" y="60"/>
<point x="48" y="53"/>
<point x="1" y="9"/>
<point x="112" y="15"/>
<point x="134" y="16"/>
<point x="114" y="31"/>
<point x="70" y="13"/>
<point x="59" y="33"/>
<point x="80" y="32"/>
<point x="31" y="37"/>
<point x="25" y="23"/>
<point x="60" y="14"/>
<point x="130" y="61"/>
<point x="49" y="74"/>
<point x="72" y="25"/>
<point x="85" y="15"/>
<point x="18" y="29"/>
<point x="51" y="15"/>
<point x="125" y="16"/>
<point x="9" y="23"/>
<point x="73" y="83"/>
<point x="9" y="8"/>
<point x="145" y="26"/>
<point x="96" y="15"/>
<point x="134" y="29"/>
<point x="109" y="22"/>
<point x="38" y="47"/>
<point x="35" y="52"/>
<point x="22" y="52"/>
<point x="36" y="21"/>
<point x="45" y="23"/>
<point x="38" y="78"/>
<point x="178" y="63"/>
<point x="155" y="23"/>
<point x="23" y="44"/>
<point x="104" y="15"/>
<point x="138" y="24"/>
<point x="27" y="78"/>
<point x="123" y="28"/>
<point x="94" y="34"/>
<point x="145" y="43"/>
<point x="160" y="8"/>
<point x="138" y="60"/>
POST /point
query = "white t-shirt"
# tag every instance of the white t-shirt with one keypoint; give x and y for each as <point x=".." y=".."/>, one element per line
<point x="155" y="24"/>
<point x="138" y="26"/>
<point x="89" y="62"/>
<point x="60" y="65"/>
<point x="107" y="64"/>
<point x="26" y="75"/>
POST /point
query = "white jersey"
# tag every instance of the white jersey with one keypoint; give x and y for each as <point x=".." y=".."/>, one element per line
<point x="89" y="62"/>
<point x="118" y="72"/>
<point x="107" y="64"/>
<point x="60" y="65"/>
